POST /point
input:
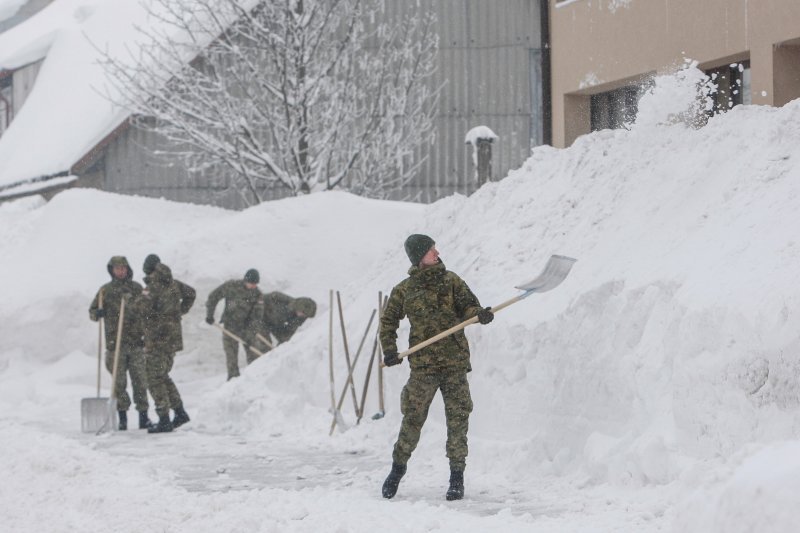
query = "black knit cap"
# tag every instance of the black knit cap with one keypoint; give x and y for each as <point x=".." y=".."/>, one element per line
<point x="251" y="276"/>
<point x="417" y="246"/>
<point x="150" y="263"/>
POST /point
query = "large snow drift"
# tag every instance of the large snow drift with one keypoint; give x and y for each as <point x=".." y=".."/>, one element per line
<point x="667" y="362"/>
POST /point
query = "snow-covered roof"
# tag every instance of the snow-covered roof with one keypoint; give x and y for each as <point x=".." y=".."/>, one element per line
<point x="30" y="40"/>
<point x="9" y="8"/>
<point x="67" y="112"/>
<point x="26" y="189"/>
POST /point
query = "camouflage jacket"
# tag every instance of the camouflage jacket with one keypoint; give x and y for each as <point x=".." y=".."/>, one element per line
<point x="244" y="308"/>
<point x="132" y="327"/>
<point x="434" y="299"/>
<point x="188" y="295"/>
<point x="160" y="304"/>
<point x="280" y="316"/>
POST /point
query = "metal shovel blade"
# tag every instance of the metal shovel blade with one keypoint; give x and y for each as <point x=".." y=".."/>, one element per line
<point x="94" y="412"/>
<point x="555" y="271"/>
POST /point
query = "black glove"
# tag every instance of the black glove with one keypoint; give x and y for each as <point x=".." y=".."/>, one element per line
<point x="485" y="315"/>
<point x="390" y="358"/>
<point x="100" y="313"/>
<point x="209" y="320"/>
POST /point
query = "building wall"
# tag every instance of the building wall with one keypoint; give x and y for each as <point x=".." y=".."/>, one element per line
<point x="129" y="166"/>
<point x="599" y="45"/>
<point x="490" y="69"/>
<point x="490" y="66"/>
<point x="22" y="84"/>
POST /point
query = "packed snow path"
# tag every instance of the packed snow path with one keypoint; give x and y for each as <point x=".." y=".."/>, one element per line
<point x="203" y="462"/>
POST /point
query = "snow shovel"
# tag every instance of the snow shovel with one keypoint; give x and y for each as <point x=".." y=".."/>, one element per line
<point x="266" y="341"/>
<point x="93" y="410"/>
<point x="556" y="270"/>
<point x="238" y="339"/>
<point x="110" y="422"/>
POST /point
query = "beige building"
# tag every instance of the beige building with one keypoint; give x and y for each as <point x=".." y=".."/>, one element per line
<point x="604" y="50"/>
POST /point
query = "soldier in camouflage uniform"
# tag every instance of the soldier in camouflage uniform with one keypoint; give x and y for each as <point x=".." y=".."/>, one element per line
<point x="160" y="305"/>
<point x="242" y="316"/>
<point x="434" y="299"/>
<point x="283" y="315"/>
<point x="131" y="355"/>
<point x="188" y="294"/>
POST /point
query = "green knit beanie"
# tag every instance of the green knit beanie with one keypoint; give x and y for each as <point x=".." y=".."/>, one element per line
<point x="417" y="246"/>
<point x="150" y="263"/>
<point x="251" y="276"/>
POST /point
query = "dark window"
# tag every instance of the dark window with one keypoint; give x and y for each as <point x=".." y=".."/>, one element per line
<point x="733" y="86"/>
<point x="614" y="109"/>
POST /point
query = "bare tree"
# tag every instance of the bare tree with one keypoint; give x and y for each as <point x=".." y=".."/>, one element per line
<point x="308" y="94"/>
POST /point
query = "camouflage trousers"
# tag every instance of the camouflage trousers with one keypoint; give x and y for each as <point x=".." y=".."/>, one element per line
<point x="231" y="347"/>
<point x="131" y="361"/>
<point x="414" y="404"/>
<point x="163" y="390"/>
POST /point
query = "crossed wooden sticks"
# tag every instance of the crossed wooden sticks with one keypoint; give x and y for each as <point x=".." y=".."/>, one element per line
<point x="358" y="407"/>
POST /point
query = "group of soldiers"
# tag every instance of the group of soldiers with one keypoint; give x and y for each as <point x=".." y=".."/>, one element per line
<point x="149" y="334"/>
<point x="433" y="299"/>
<point x="253" y="319"/>
<point x="147" y="322"/>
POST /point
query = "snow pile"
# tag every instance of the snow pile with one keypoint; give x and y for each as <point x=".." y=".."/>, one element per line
<point x="8" y="8"/>
<point x="667" y="362"/>
<point x="681" y="97"/>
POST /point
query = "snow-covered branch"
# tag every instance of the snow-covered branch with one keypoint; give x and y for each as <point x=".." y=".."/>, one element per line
<point x="310" y="95"/>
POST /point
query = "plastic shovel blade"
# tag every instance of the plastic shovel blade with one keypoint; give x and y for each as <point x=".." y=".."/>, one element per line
<point x="109" y="417"/>
<point x="555" y="271"/>
<point x="94" y="412"/>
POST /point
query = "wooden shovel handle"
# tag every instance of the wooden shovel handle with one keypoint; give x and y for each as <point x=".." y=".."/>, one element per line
<point x="117" y="347"/>
<point x="238" y="339"/>
<point x="99" y="340"/>
<point x="458" y="327"/>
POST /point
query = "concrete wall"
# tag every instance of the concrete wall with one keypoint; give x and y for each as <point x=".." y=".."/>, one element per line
<point x="598" y="45"/>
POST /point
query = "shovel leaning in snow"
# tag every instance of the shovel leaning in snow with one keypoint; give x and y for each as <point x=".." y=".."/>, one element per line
<point x="93" y="410"/>
<point x="556" y="270"/>
<point x="111" y="405"/>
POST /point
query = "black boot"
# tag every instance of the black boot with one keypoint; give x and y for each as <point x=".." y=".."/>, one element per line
<point x="163" y="426"/>
<point x="144" y="421"/>
<point x="180" y="418"/>
<point x="123" y="420"/>
<point x="456" y="490"/>
<point x="393" y="480"/>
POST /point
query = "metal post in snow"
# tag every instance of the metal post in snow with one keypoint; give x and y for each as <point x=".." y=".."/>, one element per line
<point x="481" y="138"/>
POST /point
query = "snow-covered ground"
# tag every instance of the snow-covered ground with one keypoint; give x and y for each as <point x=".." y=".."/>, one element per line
<point x="656" y="389"/>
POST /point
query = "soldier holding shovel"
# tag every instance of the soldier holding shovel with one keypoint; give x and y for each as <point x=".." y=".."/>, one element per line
<point x="242" y="317"/>
<point x="434" y="299"/>
<point x="131" y="354"/>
